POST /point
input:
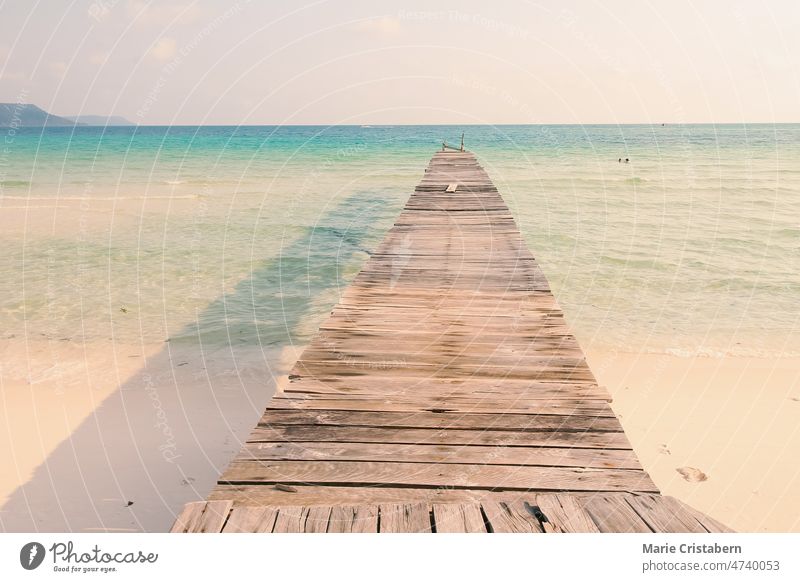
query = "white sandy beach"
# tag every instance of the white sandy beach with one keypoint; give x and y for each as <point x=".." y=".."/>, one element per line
<point x="117" y="439"/>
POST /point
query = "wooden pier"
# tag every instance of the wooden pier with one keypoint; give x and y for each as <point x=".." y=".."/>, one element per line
<point x="444" y="393"/>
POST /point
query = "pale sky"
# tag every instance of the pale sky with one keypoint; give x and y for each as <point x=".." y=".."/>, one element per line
<point x="346" y="61"/>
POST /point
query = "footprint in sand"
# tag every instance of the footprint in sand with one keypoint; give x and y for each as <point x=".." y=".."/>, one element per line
<point x="692" y="475"/>
<point x="664" y="450"/>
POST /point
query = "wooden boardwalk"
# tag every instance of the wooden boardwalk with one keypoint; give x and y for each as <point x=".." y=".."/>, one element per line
<point x="445" y="383"/>
<point x="536" y="513"/>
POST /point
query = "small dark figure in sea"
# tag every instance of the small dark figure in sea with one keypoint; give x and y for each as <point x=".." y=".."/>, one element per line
<point x="627" y="160"/>
<point x="619" y="160"/>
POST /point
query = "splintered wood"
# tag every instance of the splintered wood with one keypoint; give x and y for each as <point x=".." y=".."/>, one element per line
<point x="445" y="374"/>
<point x="533" y="513"/>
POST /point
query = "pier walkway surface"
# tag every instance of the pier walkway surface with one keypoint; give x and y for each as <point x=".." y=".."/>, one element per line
<point x="444" y="393"/>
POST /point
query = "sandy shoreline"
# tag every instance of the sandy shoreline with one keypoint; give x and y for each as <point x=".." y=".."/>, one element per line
<point x="103" y="437"/>
<point x="736" y="420"/>
<point x="91" y="428"/>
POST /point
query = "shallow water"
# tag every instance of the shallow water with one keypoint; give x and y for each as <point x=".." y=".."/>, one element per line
<point x="245" y="236"/>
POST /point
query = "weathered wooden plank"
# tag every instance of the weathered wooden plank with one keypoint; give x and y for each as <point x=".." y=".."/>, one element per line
<point x="485" y="318"/>
<point x="662" y="515"/>
<point x="578" y="372"/>
<point x="445" y="280"/>
<point x="291" y="519"/>
<point x="458" y="336"/>
<point x="357" y="434"/>
<point x="425" y="334"/>
<point x="405" y="518"/>
<point x="510" y="517"/>
<point x="337" y="360"/>
<point x="467" y="387"/>
<point x="358" y="473"/>
<point x="613" y="514"/>
<point x="308" y="495"/>
<point x="202" y="517"/>
<point x="565" y="514"/>
<point x="482" y="336"/>
<point x="458" y="518"/>
<point x="426" y="419"/>
<point x="249" y="519"/>
<point x="426" y="297"/>
<point x="551" y="513"/>
<point x="445" y="403"/>
<point x="353" y="519"/>
<point x="449" y="454"/>
<point x="318" y="518"/>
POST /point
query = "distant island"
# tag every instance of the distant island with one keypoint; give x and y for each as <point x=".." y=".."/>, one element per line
<point x="99" y="120"/>
<point x="29" y="115"/>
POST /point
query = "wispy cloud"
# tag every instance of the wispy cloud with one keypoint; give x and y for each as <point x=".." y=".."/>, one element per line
<point x="383" y="26"/>
<point x="9" y="76"/>
<point x="99" y="58"/>
<point x="58" y="68"/>
<point x="164" y="49"/>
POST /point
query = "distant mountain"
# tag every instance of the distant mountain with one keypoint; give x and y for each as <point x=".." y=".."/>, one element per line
<point x="102" y="120"/>
<point x="27" y="115"/>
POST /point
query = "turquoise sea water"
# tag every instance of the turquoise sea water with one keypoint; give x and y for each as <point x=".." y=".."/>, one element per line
<point x="245" y="236"/>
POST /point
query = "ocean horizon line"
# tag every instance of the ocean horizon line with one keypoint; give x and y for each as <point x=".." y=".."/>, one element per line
<point x="389" y="125"/>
